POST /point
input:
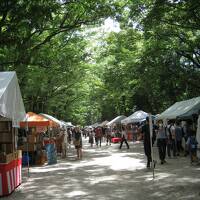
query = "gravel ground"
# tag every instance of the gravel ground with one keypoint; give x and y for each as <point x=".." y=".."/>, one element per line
<point x="108" y="173"/>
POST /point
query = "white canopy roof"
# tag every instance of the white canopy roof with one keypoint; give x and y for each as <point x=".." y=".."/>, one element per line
<point x="67" y="124"/>
<point x="95" y="125"/>
<point x="102" y="124"/>
<point x="11" y="103"/>
<point x="137" y="116"/>
<point x="182" y="109"/>
<point x="116" y="120"/>
<point x="52" y="118"/>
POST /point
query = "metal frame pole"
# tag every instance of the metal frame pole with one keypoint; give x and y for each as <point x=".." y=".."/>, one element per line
<point x="28" y="173"/>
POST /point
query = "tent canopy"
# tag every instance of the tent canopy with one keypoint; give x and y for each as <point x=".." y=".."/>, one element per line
<point x="182" y="109"/>
<point x="102" y="124"/>
<point x="67" y="124"/>
<point x="11" y="103"/>
<point x="57" y="123"/>
<point x="137" y="116"/>
<point x="116" y="120"/>
<point x="95" y="125"/>
<point x="34" y="120"/>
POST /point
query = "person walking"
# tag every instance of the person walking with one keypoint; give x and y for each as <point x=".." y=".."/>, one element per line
<point x="124" y="138"/>
<point x="161" y="142"/>
<point x="108" y="136"/>
<point x="91" y="137"/>
<point x="64" y="144"/>
<point x="78" y="142"/>
<point x="171" y="139"/>
<point x="134" y="132"/>
<point x="147" y="141"/>
<point x="179" y="135"/>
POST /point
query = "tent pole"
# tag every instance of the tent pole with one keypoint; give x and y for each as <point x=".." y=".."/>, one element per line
<point x="28" y="173"/>
<point x="151" y="135"/>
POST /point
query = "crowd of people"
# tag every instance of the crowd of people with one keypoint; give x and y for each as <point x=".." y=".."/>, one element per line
<point x="172" y="139"/>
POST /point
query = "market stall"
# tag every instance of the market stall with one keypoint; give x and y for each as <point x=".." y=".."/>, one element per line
<point x="37" y="128"/>
<point x="115" y="126"/>
<point x="56" y="131"/>
<point x="103" y="124"/>
<point x="11" y="113"/>
<point x="137" y="116"/>
<point x="182" y="110"/>
<point x="131" y="124"/>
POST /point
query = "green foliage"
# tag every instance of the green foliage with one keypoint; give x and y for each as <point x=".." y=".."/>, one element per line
<point x="68" y="68"/>
<point x="154" y="60"/>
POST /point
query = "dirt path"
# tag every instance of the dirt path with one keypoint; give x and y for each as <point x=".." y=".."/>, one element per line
<point x="109" y="173"/>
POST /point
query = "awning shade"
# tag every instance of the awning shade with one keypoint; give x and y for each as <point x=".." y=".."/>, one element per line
<point x="67" y="124"/>
<point x="182" y="109"/>
<point x="11" y="103"/>
<point x="34" y="120"/>
<point x="116" y="120"/>
<point x="95" y="125"/>
<point x="56" y="122"/>
<point x="102" y="124"/>
<point x="137" y="116"/>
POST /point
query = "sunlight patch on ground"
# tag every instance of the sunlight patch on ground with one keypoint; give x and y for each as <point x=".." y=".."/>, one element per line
<point x="43" y="170"/>
<point x="75" y="193"/>
<point x="95" y="180"/>
<point x="119" y="162"/>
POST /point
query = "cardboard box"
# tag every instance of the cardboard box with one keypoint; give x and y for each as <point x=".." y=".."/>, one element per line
<point x="31" y="147"/>
<point x="6" y="158"/>
<point x="4" y="126"/>
<point x="31" y="139"/>
<point x="5" y="136"/>
<point x="9" y="148"/>
<point x="18" y="154"/>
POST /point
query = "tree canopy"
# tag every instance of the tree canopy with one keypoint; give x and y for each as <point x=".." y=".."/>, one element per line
<point x="72" y="68"/>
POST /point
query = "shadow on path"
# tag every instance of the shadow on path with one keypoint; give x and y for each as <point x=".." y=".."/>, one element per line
<point x="109" y="173"/>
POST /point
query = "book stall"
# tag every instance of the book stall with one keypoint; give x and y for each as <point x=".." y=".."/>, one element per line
<point x="33" y="146"/>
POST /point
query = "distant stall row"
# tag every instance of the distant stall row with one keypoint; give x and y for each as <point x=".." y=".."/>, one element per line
<point x="187" y="111"/>
<point x="183" y="110"/>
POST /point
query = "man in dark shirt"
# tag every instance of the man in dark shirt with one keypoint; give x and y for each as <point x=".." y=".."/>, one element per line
<point x="147" y="142"/>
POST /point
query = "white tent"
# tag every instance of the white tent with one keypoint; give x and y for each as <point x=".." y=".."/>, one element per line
<point x="95" y="125"/>
<point x="102" y="124"/>
<point x="182" y="109"/>
<point x="137" y="116"/>
<point x="67" y="124"/>
<point x="53" y="119"/>
<point x="11" y="103"/>
<point x="116" y="120"/>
